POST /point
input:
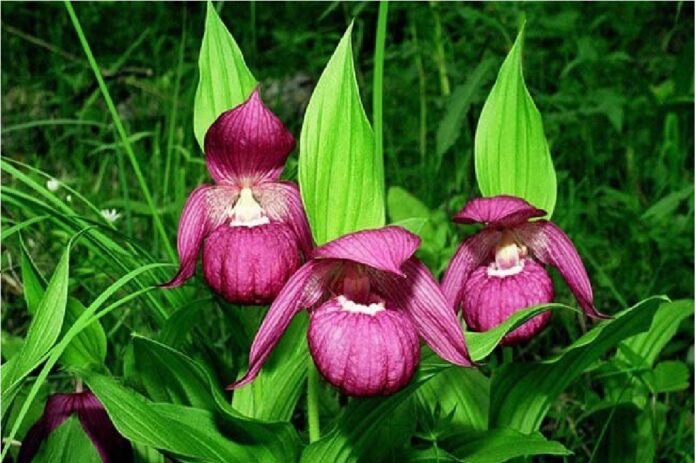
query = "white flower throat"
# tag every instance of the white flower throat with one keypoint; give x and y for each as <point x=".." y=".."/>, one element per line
<point x="247" y="212"/>
<point x="509" y="258"/>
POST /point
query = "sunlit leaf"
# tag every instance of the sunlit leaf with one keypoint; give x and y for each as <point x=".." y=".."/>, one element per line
<point x="511" y="152"/>
<point x="224" y="81"/>
<point x="341" y="177"/>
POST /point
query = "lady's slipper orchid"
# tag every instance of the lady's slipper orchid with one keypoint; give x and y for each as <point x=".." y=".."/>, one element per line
<point x="252" y="226"/>
<point x="370" y="301"/>
<point x="500" y="270"/>
<point x="112" y="447"/>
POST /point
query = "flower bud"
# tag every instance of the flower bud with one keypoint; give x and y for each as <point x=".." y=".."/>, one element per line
<point x="491" y="297"/>
<point x="363" y="349"/>
<point x="249" y="265"/>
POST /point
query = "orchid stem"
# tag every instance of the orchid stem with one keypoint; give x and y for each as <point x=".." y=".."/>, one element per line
<point x="313" y="402"/>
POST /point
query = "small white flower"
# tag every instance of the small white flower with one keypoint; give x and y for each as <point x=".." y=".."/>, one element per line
<point x="110" y="215"/>
<point x="68" y="198"/>
<point x="52" y="184"/>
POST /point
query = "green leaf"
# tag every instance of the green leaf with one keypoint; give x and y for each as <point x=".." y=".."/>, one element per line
<point x="430" y="455"/>
<point x="355" y="432"/>
<point x="482" y="344"/>
<point x="89" y="347"/>
<point x="668" y="376"/>
<point x="511" y="152"/>
<point x="647" y="346"/>
<point x="462" y="392"/>
<point x="146" y="454"/>
<point x="44" y="328"/>
<point x="68" y="442"/>
<point x="521" y="393"/>
<point x="274" y="393"/>
<point x="458" y="106"/>
<point x="225" y="81"/>
<point x="340" y="174"/>
<point x="498" y="445"/>
<point x="168" y="375"/>
<point x="185" y="431"/>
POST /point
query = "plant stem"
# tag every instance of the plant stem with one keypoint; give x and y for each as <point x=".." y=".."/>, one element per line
<point x="313" y="401"/>
<point x="121" y="130"/>
<point x="423" y="119"/>
<point x="440" y="51"/>
<point x="378" y="80"/>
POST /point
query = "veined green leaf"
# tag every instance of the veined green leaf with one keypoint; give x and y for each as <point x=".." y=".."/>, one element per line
<point x="274" y="393"/>
<point x="647" y="346"/>
<point x="170" y="376"/>
<point x="340" y="174"/>
<point x="521" y="393"/>
<point x="68" y="442"/>
<point x="44" y="328"/>
<point x="482" y="344"/>
<point x="225" y="80"/>
<point x="511" y="152"/>
<point x="88" y="347"/>
<point x="498" y="445"/>
<point x="186" y="431"/>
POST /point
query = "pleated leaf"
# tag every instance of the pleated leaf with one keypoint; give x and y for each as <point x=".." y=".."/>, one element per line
<point x="521" y="393"/>
<point x="225" y="80"/>
<point x="340" y="174"/>
<point x="511" y="152"/>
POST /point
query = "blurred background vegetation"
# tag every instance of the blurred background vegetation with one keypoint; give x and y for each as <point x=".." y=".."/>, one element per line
<point x="614" y="83"/>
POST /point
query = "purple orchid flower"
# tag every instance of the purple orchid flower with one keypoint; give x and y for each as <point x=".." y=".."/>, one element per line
<point x="252" y="226"/>
<point x="370" y="300"/>
<point x="500" y="270"/>
<point x="112" y="447"/>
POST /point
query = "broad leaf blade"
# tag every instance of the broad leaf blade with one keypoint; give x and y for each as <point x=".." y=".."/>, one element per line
<point x="511" y="152"/>
<point x="274" y="393"/>
<point x="225" y="80"/>
<point x="68" y="442"/>
<point x="498" y="445"/>
<point x="186" y="431"/>
<point x="521" y="393"/>
<point x="340" y="174"/>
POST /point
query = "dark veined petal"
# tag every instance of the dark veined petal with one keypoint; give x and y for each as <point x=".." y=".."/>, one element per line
<point x="247" y="145"/>
<point x="421" y="299"/>
<point x="549" y="244"/>
<point x="384" y="249"/>
<point x="281" y="202"/>
<point x="206" y="208"/>
<point x="303" y="290"/>
<point x="470" y="254"/>
<point x="502" y="211"/>
<point x="112" y="447"/>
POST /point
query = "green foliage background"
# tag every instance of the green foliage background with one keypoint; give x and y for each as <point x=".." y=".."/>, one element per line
<point x="613" y="82"/>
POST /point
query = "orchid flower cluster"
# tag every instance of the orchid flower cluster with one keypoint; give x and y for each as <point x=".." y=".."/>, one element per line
<point x="370" y="300"/>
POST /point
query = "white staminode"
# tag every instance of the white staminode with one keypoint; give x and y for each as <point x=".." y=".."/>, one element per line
<point x="494" y="271"/>
<point x="350" y="306"/>
<point x="247" y="212"/>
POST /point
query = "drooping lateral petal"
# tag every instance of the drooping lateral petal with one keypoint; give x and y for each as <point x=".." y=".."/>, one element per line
<point x="206" y="208"/>
<point x="112" y="446"/>
<point x="470" y="254"/>
<point x="303" y="290"/>
<point x="503" y="211"/>
<point x="282" y="203"/>
<point x="248" y="144"/>
<point x="384" y="249"/>
<point x="548" y="243"/>
<point x="421" y="299"/>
